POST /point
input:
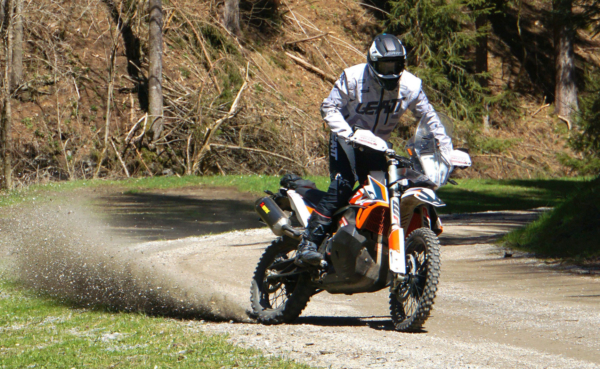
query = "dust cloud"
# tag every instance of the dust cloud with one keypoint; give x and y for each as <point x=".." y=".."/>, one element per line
<point x="65" y="249"/>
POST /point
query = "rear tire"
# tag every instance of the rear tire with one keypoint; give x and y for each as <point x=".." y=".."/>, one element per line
<point x="411" y="302"/>
<point x="279" y="301"/>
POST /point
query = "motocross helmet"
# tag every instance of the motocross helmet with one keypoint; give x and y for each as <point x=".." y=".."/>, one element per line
<point x="386" y="59"/>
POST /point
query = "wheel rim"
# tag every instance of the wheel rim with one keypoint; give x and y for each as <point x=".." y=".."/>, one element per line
<point x="410" y="291"/>
<point x="275" y="292"/>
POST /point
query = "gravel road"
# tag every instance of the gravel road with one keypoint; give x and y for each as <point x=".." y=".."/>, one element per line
<point x="491" y="310"/>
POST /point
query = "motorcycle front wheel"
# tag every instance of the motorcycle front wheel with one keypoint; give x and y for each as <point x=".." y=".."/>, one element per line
<point x="412" y="299"/>
<point x="277" y="300"/>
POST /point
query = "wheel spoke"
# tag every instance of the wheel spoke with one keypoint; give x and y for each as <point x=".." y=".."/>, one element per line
<point x="277" y="291"/>
<point x="409" y="304"/>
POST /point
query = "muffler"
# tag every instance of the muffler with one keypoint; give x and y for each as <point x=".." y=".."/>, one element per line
<point x="272" y="215"/>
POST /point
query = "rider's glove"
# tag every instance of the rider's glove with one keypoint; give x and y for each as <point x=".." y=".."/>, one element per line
<point x="364" y="137"/>
<point x="345" y="133"/>
<point x="446" y="152"/>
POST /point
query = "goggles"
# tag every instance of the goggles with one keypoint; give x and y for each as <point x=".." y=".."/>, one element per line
<point x="388" y="67"/>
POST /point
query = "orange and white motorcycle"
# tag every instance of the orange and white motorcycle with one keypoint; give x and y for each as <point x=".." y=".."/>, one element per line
<point x="385" y="237"/>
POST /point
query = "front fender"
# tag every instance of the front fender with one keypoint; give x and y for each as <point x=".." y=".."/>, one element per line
<point x="423" y="194"/>
<point x="417" y="198"/>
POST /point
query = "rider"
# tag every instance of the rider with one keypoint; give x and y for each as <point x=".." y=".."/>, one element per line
<point x="371" y="96"/>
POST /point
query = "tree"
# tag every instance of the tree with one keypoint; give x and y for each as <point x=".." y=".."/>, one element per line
<point x="231" y="16"/>
<point x="132" y="46"/>
<point x="565" y="95"/>
<point x="482" y="27"/>
<point x="16" y="77"/>
<point x="439" y="41"/>
<point x="6" y="118"/>
<point x="481" y="50"/>
<point x="155" y="96"/>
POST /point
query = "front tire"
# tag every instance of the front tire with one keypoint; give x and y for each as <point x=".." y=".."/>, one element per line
<point x="412" y="300"/>
<point x="276" y="301"/>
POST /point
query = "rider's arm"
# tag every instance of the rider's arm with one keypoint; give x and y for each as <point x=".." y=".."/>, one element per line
<point x="421" y="108"/>
<point x="334" y="105"/>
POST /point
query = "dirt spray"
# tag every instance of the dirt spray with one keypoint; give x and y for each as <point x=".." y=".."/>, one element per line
<point x="64" y="249"/>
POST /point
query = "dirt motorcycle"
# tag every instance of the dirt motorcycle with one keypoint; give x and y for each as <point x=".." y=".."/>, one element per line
<point x="387" y="236"/>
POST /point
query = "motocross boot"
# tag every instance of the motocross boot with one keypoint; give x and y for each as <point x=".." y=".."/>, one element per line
<point x="313" y="236"/>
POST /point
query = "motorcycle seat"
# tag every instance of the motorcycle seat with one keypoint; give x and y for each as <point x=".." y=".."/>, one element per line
<point x="304" y="187"/>
<point x="310" y="195"/>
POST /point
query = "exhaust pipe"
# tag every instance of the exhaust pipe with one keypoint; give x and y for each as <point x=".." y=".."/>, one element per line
<point x="273" y="216"/>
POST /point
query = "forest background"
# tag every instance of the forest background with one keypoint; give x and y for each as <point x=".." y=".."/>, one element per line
<point x="240" y="83"/>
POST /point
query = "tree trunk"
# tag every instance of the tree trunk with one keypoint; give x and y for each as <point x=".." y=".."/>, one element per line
<point x="231" y="16"/>
<point x="481" y="50"/>
<point x="132" y="52"/>
<point x="16" y="77"/>
<point x="155" y="97"/>
<point x="4" y="13"/>
<point x="6" y="108"/>
<point x="565" y="94"/>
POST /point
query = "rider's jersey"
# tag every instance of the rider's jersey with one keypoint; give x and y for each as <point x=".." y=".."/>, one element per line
<point x="357" y="99"/>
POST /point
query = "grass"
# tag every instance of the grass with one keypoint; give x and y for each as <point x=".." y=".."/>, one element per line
<point x="476" y="195"/>
<point x="255" y="184"/>
<point x="571" y="230"/>
<point x="40" y="332"/>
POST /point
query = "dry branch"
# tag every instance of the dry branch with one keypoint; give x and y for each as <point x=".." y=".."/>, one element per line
<point x="539" y="109"/>
<point x="566" y="120"/>
<point x="304" y="31"/>
<point x="374" y="8"/>
<point x="200" y="41"/>
<point x="134" y="128"/>
<point x="312" y="68"/>
<point x="120" y="158"/>
<point x="217" y="124"/>
<point x="257" y="150"/>
<point x="306" y="39"/>
<point x="143" y="162"/>
<point x="506" y="159"/>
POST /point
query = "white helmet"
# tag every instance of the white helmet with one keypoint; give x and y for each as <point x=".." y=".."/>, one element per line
<point x="386" y="59"/>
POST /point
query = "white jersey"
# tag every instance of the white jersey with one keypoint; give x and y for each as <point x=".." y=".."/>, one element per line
<point x="357" y="99"/>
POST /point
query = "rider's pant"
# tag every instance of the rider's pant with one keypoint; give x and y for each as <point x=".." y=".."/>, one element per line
<point x="347" y="165"/>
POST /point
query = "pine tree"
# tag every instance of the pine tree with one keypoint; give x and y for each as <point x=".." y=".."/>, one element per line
<point x="441" y="36"/>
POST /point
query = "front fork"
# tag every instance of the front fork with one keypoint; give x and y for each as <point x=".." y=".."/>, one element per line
<point x="396" y="238"/>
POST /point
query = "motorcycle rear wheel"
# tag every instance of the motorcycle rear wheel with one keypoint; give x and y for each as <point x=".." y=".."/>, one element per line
<point x="276" y="301"/>
<point x="411" y="302"/>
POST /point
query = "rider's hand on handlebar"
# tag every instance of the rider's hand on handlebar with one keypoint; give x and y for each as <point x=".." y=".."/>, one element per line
<point x="364" y="137"/>
<point x="446" y="154"/>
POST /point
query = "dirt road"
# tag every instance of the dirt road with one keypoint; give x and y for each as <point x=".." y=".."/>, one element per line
<point x="490" y="311"/>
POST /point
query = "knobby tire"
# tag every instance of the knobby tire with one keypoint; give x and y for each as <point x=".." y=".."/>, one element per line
<point x="297" y="290"/>
<point x="426" y="290"/>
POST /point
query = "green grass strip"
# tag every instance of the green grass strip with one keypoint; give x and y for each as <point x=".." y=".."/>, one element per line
<point x="571" y="230"/>
<point x="41" y="332"/>
<point x="471" y="195"/>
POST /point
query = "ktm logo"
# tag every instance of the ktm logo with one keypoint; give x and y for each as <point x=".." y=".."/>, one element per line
<point x="373" y="107"/>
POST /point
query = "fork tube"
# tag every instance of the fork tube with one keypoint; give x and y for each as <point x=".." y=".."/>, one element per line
<point x="396" y="237"/>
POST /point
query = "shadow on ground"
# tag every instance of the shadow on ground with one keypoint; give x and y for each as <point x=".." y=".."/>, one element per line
<point x="534" y="194"/>
<point x="479" y="228"/>
<point x="153" y="216"/>
<point x="382" y="323"/>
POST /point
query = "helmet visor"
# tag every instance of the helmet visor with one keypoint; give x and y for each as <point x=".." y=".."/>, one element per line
<point x="389" y="67"/>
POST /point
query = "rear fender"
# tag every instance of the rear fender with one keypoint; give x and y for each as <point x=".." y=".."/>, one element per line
<point x="299" y="206"/>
